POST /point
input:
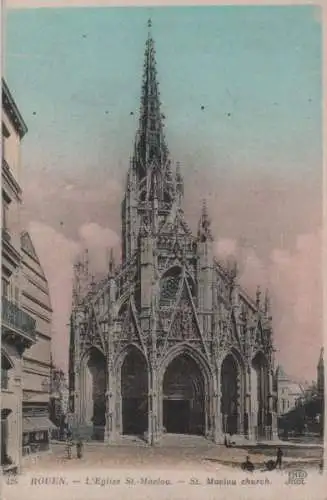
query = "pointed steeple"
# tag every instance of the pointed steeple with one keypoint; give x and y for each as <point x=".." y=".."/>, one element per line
<point x="179" y="188"/>
<point x="151" y="157"/>
<point x="111" y="263"/>
<point x="204" y="231"/>
<point x="258" y="297"/>
<point x="267" y="304"/>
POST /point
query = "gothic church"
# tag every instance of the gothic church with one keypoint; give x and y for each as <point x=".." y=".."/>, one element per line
<point x="168" y="342"/>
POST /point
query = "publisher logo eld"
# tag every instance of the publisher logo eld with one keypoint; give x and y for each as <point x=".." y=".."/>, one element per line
<point x="297" y="477"/>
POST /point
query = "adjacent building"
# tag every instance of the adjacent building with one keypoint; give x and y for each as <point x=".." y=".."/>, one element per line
<point x="321" y="375"/>
<point x="289" y="392"/>
<point x="18" y="328"/>
<point x="168" y="341"/>
<point x="25" y="312"/>
<point x="59" y="399"/>
<point x="35" y="300"/>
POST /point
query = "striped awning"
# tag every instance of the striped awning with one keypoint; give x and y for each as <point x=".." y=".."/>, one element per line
<point x="35" y="424"/>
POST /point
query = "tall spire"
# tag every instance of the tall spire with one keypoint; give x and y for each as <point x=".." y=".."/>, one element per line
<point x="204" y="231"/>
<point x="151" y="152"/>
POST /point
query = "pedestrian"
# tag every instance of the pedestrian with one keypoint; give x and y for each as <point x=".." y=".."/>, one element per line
<point x="248" y="465"/>
<point x="279" y="458"/>
<point x="69" y="449"/>
<point x="79" y="448"/>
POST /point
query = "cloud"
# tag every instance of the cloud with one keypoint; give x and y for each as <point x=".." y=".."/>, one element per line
<point x="57" y="253"/>
<point x="297" y="284"/>
<point x="49" y="198"/>
<point x="225" y="248"/>
<point x="98" y="241"/>
<point x="293" y="278"/>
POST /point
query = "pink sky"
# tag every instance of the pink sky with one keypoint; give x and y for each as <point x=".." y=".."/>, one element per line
<point x="275" y="235"/>
<point x="265" y="211"/>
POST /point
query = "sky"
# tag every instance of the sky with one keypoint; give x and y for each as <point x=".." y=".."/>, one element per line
<point x="254" y="151"/>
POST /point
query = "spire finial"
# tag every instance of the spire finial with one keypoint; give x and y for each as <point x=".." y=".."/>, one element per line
<point x="204" y="232"/>
<point x="204" y="209"/>
<point x="267" y="301"/>
<point x="150" y="143"/>
<point x="111" y="262"/>
<point x="258" y="296"/>
<point x="86" y="263"/>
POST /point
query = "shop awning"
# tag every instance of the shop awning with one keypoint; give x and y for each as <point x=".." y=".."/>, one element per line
<point x="36" y="424"/>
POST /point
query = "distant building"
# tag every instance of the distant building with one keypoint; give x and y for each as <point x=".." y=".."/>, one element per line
<point x="35" y="299"/>
<point x="288" y="392"/>
<point x="59" y="398"/>
<point x="17" y="326"/>
<point x="321" y="374"/>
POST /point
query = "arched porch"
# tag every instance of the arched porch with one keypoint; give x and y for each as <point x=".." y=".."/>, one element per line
<point x="132" y="392"/>
<point x="260" y="395"/>
<point x="184" y="388"/>
<point x="93" y="393"/>
<point x="232" y="394"/>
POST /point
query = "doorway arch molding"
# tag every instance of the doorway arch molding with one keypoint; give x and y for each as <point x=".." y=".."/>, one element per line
<point x="187" y="351"/>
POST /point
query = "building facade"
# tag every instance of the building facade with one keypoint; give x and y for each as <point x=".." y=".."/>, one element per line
<point x="59" y="399"/>
<point x="35" y="300"/>
<point x="289" y="392"/>
<point x="321" y="375"/>
<point x="17" y="326"/>
<point x="168" y="342"/>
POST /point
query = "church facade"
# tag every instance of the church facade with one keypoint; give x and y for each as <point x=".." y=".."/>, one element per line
<point x="168" y="342"/>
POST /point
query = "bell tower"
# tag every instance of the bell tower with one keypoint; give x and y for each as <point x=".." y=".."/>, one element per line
<point x="150" y="184"/>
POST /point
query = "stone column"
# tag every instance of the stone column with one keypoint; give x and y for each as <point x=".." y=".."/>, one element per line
<point x="248" y="405"/>
<point x="218" y="430"/>
<point x="109" y="434"/>
<point x="239" y="405"/>
<point x="153" y="417"/>
<point x="160" y="400"/>
<point x="271" y="410"/>
<point x="118" y="406"/>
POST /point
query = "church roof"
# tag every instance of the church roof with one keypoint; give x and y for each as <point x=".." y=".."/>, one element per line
<point x="150" y="141"/>
<point x="280" y="373"/>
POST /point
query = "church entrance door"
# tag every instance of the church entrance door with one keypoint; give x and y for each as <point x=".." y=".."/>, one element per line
<point x="183" y="397"/>
<point x="134" y="393"/>
<point x="230" y="395"/>
<point x="177" y="415"/>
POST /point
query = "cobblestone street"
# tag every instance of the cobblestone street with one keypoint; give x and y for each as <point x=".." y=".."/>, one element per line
<point x="183" y="451"/>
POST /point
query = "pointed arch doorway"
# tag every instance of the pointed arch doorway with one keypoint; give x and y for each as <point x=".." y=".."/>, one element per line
<point x="134" y="392"/>
<point x="183" y="397"/>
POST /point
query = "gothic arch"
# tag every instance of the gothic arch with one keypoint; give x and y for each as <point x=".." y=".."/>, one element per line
<point x="185" y="383"/>
<point x="93" y="377"/>
<point x="260" y="391"/>
<point x="124" y="352"/>
<point x="185" y="348"/>
<point x="180" y="272"/>
<point x="232" y="379"/>
<point x="132" y="377"/>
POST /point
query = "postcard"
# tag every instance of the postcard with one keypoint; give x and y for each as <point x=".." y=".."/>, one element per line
<point x="162" y="239"/>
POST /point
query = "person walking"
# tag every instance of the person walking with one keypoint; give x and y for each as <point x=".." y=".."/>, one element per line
<point x="79" y="448"/>
<point x="279" y="458"/>
<point x="69" y="449"/>
<point x="247" y="465"/>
